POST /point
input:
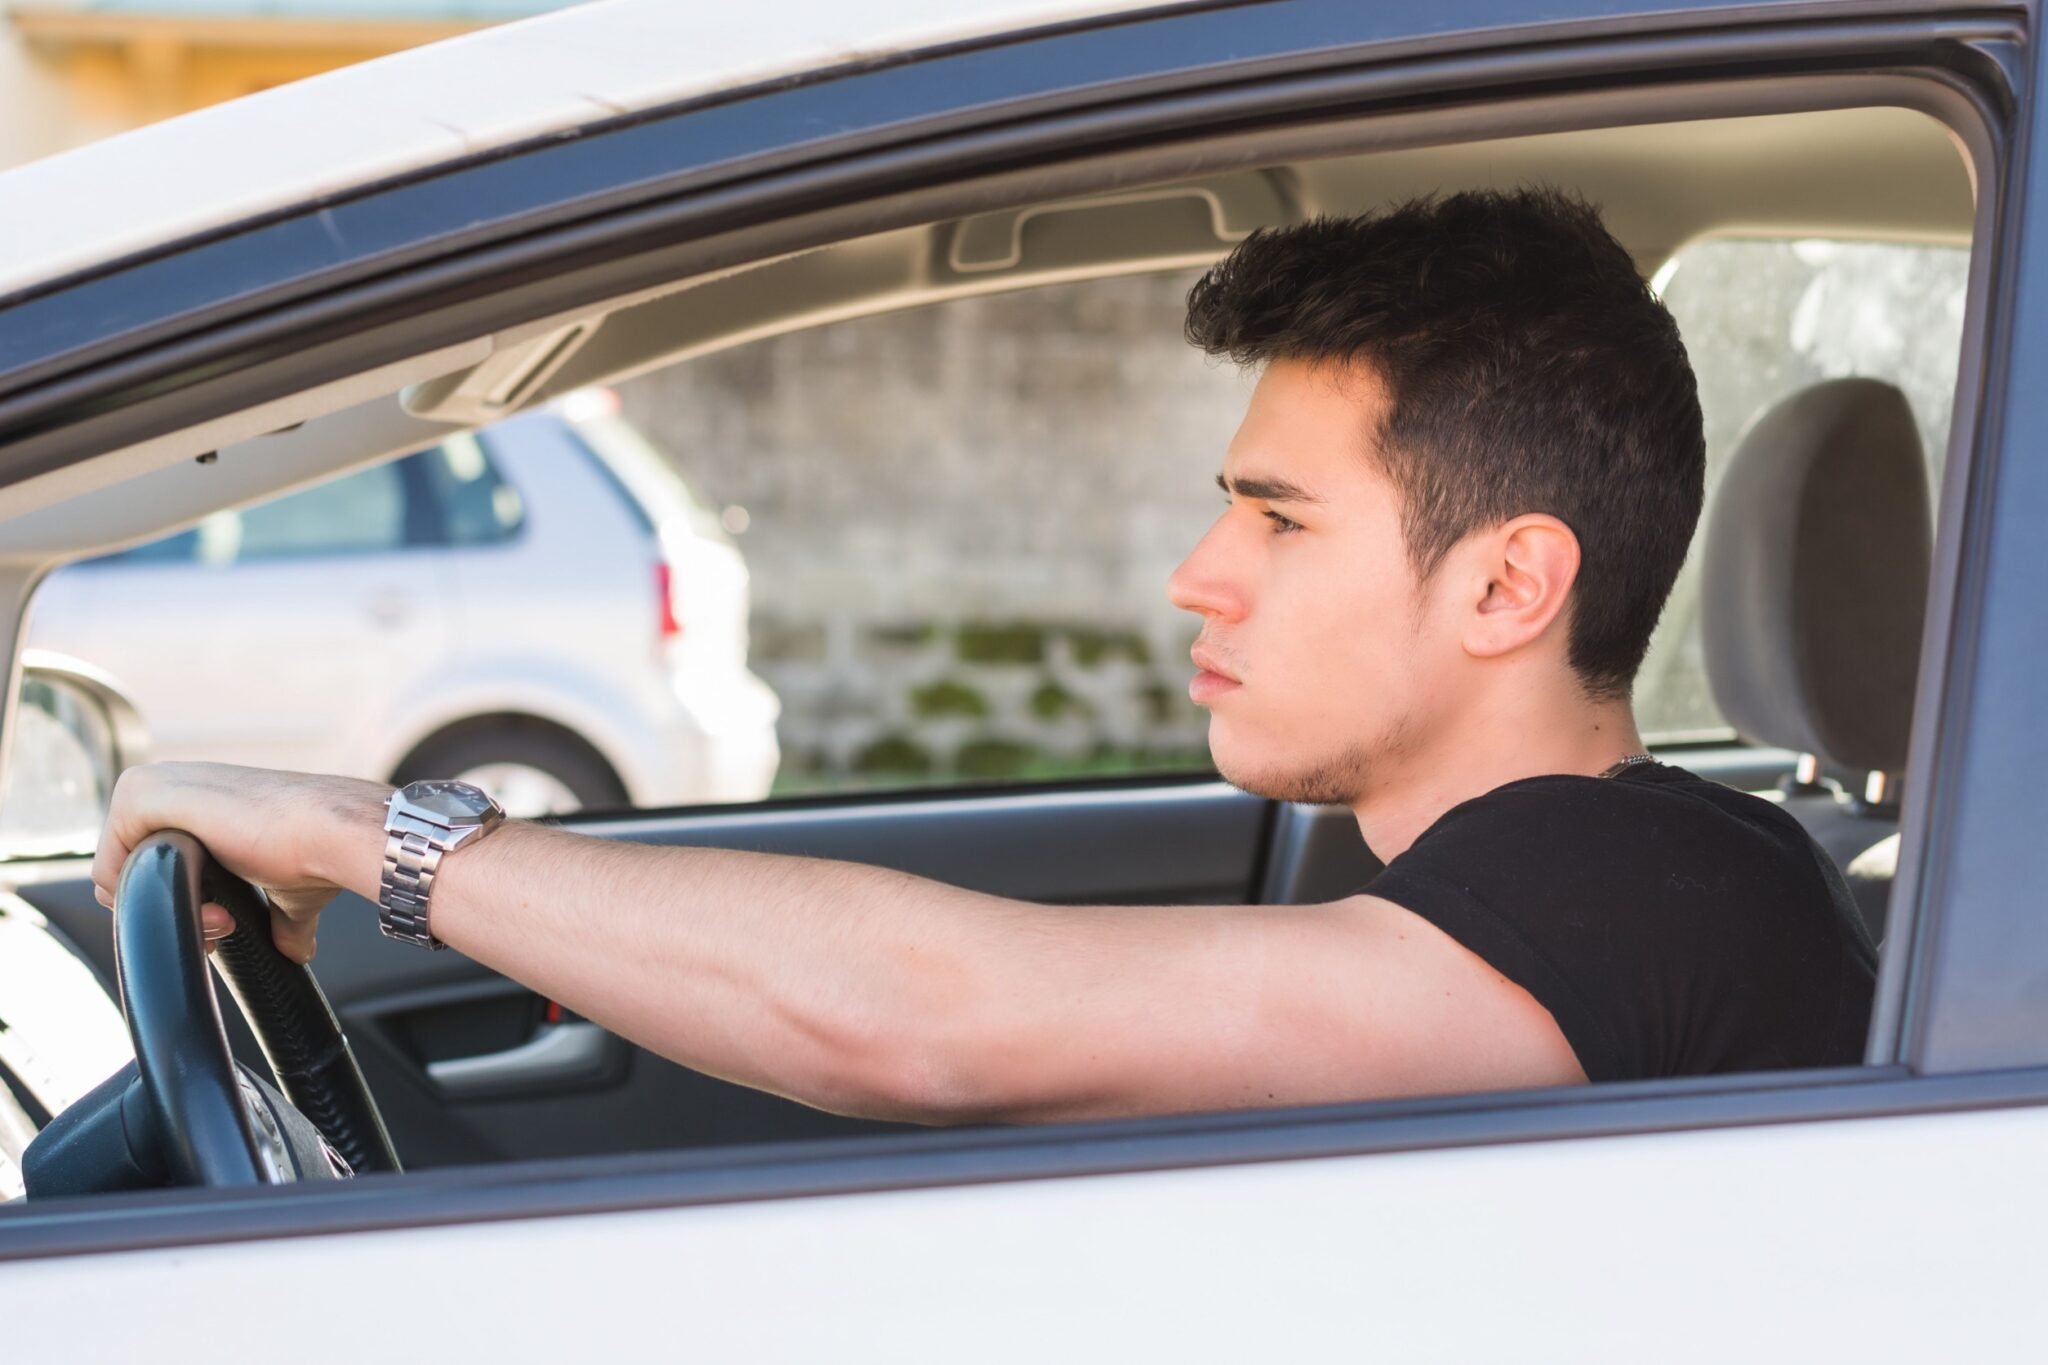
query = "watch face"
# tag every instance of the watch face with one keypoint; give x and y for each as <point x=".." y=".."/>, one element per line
<point x="455" y="802"/>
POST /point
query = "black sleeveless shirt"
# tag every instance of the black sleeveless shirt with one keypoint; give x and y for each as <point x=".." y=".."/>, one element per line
<point x="1671" y="925"/>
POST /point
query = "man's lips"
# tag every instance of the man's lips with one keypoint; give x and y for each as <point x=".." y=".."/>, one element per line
<point x="1212" y="681"/>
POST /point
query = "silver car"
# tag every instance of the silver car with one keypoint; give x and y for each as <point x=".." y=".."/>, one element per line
<point x="551" y="614"/>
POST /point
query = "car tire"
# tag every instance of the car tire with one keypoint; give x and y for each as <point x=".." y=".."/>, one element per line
<point x="531" y="770"/>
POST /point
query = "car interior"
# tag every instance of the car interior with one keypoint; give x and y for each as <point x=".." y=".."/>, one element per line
<point x="1815" y="567"/>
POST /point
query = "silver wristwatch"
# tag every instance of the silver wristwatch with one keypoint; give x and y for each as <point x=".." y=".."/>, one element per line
<point x="423" y="823"/>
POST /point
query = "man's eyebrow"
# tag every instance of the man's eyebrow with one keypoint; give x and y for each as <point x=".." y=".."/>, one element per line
<point x="1266" y="489"/>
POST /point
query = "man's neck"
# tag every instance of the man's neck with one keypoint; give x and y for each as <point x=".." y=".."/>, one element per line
<point x="1495" y="746"/>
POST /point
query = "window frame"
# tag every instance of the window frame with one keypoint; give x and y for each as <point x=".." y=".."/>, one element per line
<point x="1960" y="73"/>
<point x="402" y="486"/>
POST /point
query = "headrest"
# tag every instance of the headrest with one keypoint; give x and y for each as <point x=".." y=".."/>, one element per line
<point x="1817" y="557"/>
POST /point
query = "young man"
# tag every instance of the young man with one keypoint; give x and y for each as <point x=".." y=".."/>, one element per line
<point x="1465" y="482"/>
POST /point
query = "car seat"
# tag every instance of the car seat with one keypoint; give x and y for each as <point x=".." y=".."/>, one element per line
<point x="1817" y="557"/>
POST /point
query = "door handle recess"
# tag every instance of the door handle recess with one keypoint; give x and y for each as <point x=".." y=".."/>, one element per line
<point x="558" y="1056"/>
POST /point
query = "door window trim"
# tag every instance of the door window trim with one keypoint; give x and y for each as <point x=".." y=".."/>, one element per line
<point x="840" y="1166"/>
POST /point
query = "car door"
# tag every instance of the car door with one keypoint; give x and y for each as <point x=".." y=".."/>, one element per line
<point x="1323" y="1229"/>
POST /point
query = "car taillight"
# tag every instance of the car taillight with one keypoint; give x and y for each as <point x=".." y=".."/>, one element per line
<point x="665" y="604"/>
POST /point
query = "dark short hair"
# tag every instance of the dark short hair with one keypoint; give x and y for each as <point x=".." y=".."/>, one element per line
<point x="1528" y="369"/>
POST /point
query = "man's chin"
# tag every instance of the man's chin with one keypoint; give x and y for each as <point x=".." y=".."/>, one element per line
<point x="1337" y="782"/>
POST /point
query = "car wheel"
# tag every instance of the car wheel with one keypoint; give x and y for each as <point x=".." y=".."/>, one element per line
<point x="528" y="772"/>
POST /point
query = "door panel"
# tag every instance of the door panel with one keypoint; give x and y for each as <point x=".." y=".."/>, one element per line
<point x="470" y="1066"/>
<point x="424" y="1025"/>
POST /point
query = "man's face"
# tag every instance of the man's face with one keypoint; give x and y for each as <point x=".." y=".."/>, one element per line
<point x="1320" y="668"/>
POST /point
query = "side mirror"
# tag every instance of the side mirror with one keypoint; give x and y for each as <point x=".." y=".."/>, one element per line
<point x="72" y="734"/>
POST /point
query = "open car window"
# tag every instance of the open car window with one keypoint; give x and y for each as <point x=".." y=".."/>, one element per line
<point x="929" y="548"/>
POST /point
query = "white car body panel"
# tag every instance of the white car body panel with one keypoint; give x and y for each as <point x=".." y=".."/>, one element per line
<point x="448" y="100"/>
<point x="242" y="664"/>
<point x="1911" y="1241"/>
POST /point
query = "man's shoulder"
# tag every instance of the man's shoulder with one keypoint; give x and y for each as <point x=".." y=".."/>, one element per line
<point x="1653" y="844"/>
<point x="1665" y="804"/>
<point x="1656" y="914"/>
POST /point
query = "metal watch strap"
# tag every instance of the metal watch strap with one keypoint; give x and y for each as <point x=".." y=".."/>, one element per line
<point x="409" y="865"/>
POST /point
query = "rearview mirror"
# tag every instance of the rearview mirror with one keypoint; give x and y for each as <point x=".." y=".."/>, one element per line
<point x="72" y="734"/>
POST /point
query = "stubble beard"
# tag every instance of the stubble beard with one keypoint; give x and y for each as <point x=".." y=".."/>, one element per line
<point x="1341" y="779"/>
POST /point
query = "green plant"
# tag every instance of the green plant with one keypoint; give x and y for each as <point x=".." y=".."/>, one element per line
<point x="1050" y="701"/>
<point x="993" y="758"/>
<point x="947" y="697"/>
<point x="893" y="753"/>
<point x="1090" y="647"/>
<point x="1011" y="642"/>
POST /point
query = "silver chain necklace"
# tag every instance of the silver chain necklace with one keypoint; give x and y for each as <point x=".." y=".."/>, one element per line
<point x="1617" y="768"/>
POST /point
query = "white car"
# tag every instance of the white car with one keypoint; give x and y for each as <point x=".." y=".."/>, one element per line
<point x="290" y="281"/>
<point x="542" y="607"/>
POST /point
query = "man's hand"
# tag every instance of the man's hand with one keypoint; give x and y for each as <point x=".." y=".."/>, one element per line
<point x="298" y="836"/>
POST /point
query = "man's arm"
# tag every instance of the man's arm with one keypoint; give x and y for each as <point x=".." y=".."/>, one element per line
<point x="873" y="992"/>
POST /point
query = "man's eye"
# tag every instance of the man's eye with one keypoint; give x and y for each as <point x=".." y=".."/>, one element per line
<point x="1281" y="525"/>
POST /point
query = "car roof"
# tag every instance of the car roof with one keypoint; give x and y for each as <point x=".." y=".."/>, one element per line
<point x="448" y="101"/>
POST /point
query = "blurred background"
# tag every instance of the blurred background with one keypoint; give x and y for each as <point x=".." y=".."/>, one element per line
<point x="71" y="72"/>
<point x="940" y="538"/>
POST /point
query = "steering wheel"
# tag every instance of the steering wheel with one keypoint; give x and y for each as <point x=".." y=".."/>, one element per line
<point x="213" y="1125"/>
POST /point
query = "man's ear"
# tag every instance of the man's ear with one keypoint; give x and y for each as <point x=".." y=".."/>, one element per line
<point x="1529" y="565"/>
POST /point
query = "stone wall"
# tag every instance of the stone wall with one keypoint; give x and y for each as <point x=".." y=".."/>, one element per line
<point x="960" y="521"/>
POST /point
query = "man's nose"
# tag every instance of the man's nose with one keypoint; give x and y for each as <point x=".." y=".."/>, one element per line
<point x="1205" y="582"/>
